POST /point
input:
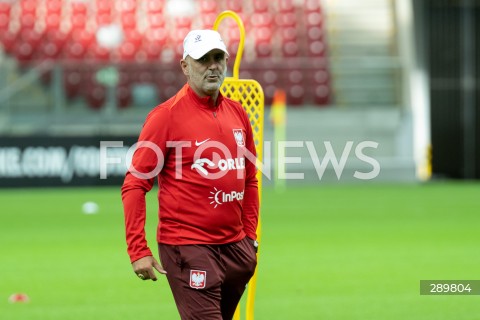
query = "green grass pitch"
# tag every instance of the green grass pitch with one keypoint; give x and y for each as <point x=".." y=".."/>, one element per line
<point x="329" y="252"/>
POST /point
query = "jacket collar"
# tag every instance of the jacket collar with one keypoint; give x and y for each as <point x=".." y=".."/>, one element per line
<point x="204" y="102"/>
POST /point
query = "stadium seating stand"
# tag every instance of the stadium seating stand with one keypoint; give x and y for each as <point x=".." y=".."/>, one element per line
<point x="285" y="42"/>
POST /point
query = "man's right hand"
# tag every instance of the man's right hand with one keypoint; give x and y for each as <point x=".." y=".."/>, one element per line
<point x="143" y="268"/>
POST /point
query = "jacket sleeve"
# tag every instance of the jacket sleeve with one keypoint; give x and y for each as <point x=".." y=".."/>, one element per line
<point x="251" y="199"/>
<point x="147" y="162"/>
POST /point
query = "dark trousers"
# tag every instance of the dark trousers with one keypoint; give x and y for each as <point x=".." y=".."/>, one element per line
<point x="207" y="281"/>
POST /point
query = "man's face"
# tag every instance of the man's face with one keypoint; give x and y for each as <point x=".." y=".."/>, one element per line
<point x="206" y="74"/>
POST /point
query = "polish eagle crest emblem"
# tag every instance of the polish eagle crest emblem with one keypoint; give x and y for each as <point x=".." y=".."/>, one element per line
<point x="198" y="279"/>
<point x="239" y="139"/>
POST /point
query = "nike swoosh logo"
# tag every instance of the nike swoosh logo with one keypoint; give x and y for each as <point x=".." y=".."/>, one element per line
<point x="201" y="142"/>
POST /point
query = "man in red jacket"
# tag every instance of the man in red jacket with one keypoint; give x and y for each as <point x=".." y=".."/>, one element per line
<point x="199" y="145"/>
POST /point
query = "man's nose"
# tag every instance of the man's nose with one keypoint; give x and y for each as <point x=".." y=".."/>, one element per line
<point x="213" y="66"/>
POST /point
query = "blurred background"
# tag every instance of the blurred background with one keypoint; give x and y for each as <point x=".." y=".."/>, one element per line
<point x="400" y="73"/>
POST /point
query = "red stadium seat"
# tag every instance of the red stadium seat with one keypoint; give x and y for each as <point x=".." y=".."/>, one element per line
<point x="89" y="74"/>
<point x="49" y="51"/>
<point x="312" y="6"/>
<point x="73" y="82"/>
<point x="157" y="35"/>
<point x="78" y="21"/>
<point x="129" y="20"/>
<point x="52" y="21"/>
<point x="287" y="19"/>
<point x="208" y="6"/>
<point x="103" y="6"/>
<point x="5" y="7"/>
<point x="168" y="77"/>
<point x="53" y="6"/>
<point x="263" y="41"/>
<point x="269" y="77"/>
<point x="126" y="5"/>
<point x="156" y="20"/>
<point x="314" y="19"/>
<point x="124" y="96"/>
<point x="127" y="51"/>
<point x="286" y="6"/>
<point x="96" y="96"/>
<point x="288" y="34"/>
<point x="232" y="50"/>
<point x="177" y="39"/>
<point x="295" y="76"/>
<point x="4" y="21"/>
<point x="29" y="6"/>
<point x="84" y="37"/>
<point x="56" y="36"/>
<point x="183" y="22"/>
<point x="169" y="82"/>
<point x="79" y="7"/>
<point x="152" y="51"/>
<point x="263" y="34"/>
<point x="27" y="21"/>
<point x="99" y="53"/>
<point x="315" y="33"/>
<point x="155" y="6"/>
<point x="246" y="74"/>
<point x="321" y="95"/>
<point x="294" y="80"/>
<point x="104" y="18"/>
<point x="208" y="19"/>
<point x="233" y="36"/>
<point x="263" y="49"/>
<point x="30" y="36"/>
<point x="295" y="95"/>
<point x="75" y="51"/>
<point x="264" y="19"/>
<point x="290" y="49"/>
<point x="177" y="52"/>
<point x="269" y="93"/>
<point x="144" y="76"/>
<point x="320" y="76"/>
<point x="133" y="36"/>
<point x="235" y="5"/>
<point x="318" y="82"/>
<point x="316" y="48"/>
<point x="124" y="75"/>
<point x="260" y="6"/>
<point x="8" y="39"/>
<point x="23" y="51"/>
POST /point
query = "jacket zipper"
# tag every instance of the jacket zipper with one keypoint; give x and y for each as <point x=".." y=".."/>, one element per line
<point x="217" y="122"/>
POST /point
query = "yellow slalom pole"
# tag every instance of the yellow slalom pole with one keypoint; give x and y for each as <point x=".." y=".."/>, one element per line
<point x="241" y="27"/>
<point x="250" y="94"/>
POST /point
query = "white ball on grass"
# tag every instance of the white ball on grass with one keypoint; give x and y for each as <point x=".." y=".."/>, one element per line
<point x="90" y="207"/>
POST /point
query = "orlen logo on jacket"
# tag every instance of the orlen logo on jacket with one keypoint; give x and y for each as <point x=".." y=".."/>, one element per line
<point x="219" y="197"/>
<point x="223" y="164"/>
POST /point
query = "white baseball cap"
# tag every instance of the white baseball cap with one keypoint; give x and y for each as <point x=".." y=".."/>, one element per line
<point x="198" y="42"/>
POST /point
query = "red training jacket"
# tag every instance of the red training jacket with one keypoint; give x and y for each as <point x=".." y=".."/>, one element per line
<point x="202" y="156"/>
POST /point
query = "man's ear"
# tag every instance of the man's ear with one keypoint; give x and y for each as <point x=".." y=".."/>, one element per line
<point x="184" y="65"/>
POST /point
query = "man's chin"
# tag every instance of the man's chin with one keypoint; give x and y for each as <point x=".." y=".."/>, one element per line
<point x="212" y="87"/>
